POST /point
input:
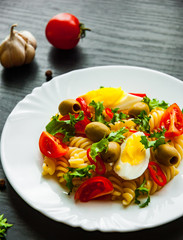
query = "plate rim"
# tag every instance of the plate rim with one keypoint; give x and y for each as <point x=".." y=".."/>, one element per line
<point x="52" y="82"/>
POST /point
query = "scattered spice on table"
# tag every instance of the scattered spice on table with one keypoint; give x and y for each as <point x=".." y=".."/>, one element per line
<point x="48" y="75"/>
<point x="2" y="184"/>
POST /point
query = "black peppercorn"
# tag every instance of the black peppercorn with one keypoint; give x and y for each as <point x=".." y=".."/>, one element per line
<point x="2" y="184"/>
<point x="48" y="75"/>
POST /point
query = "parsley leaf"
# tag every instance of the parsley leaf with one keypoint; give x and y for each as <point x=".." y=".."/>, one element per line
<point x="102" y="145"/>
<point x="142" y="190"/>
<point x="118" y="116"/>
<point x="99" y="107"/>
<point x="142" y="120"/>
<point x="117" y="136"/>
<point x="77" y="172"/>
<point x="98" y="147"/>
<point x="3" y="226"/>
<point x="160" y="135"/>
<point x="153" y="103"/>
<point x="67" y="127"/>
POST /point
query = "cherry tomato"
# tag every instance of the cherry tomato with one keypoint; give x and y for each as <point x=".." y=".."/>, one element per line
<point x="172" y="121"/>
<point x="64" y="31"/>
<point x="93" y="188"/>
<point x="51" y="146"/>
<point x="80" y="125"/>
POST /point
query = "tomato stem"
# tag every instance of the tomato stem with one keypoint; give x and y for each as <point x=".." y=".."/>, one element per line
<point x="83" y="30"/>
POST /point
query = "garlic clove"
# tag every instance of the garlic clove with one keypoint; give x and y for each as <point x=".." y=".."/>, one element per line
<point x="29" y="38"/>
<point x="29" y="53"/>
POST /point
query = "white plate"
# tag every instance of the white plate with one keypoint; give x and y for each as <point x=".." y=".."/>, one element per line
<point x="22" y="160"/>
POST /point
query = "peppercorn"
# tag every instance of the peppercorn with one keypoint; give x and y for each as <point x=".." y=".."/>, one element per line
<point x="48" y="75"/>
<point x="2" y="184"/>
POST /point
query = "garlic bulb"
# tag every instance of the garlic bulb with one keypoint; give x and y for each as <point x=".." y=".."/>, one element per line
<point x="17" y="49"/>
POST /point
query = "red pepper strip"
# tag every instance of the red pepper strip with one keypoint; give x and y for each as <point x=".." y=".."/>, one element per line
<point x="157" y="173"/>
<point x="134" y="131"/>
<point x="100" y="166"/>
<point x="84" y="106"/>
<point x="109" y="112"/>
<point x="138" y="94"/>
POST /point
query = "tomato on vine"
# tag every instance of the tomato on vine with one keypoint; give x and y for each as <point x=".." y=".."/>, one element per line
<point x="64" y="31"/>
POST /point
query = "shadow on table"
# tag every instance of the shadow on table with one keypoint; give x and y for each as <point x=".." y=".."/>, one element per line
<point x="66" y="60"/>
<point x="45" y="228"/>
<point x="19" y="76"/>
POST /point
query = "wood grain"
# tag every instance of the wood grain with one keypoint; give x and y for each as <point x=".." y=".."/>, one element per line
<point x="145" y="33"/>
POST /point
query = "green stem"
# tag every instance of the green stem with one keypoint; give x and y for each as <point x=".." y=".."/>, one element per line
<point x="83" y="30"/>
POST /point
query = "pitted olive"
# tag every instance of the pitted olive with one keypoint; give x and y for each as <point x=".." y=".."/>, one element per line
<point x="166" y="155"/>
<point x="137" y="108"/>
<point x="113" y="152"/>
<point x="69" y="106"/>
<point x="96" y="131"/>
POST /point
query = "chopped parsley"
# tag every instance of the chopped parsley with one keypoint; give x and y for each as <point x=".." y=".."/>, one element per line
<point x="77" y="172"/>
<point x="102" y="145"/>
<point x="66" y="127"/>
<point x="118" y="116"/>
<point x="153" y="103"/>
<point x="160" y="135"/>
<point x="100" y="117"/>
<point x="4" y="226"/>
<point x="144" y="191"/>
<point x="99" y="107"/>
<point x="142" y="120"/>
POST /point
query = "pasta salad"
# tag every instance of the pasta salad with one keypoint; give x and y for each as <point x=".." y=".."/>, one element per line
<point x="112" y="145"/>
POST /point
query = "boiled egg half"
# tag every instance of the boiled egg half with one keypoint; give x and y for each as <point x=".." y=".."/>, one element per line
<point x="134" y="158"/>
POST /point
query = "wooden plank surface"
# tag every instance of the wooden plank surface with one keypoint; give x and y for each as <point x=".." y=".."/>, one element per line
<point x="144" y="33"/>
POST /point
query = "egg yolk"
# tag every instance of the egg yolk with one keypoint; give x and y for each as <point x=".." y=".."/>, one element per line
<point x="109" y="96"/>
<point x="134" y="152"/>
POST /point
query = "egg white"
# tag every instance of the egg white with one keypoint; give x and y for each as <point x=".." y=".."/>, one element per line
<point x="127" y="101"/>
<point x="127" y="171"/>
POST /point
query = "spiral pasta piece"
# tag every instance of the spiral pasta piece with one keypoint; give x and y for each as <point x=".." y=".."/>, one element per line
<point x="77" y="157"/>
<point x="128" y="194"/>
<point x="169" y="171"/>
<point x="80" y="142"/>
<point x="155" y="115"/>
<point x="125" y="123"/>
<point x="62" y="168"/>
<point x="48" y="166"/>
<point x="117" y="184"/>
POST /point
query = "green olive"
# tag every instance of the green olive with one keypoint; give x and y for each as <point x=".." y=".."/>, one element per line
<point x="69" y="106"/>
<point x="166" y="155"/>
<point x="137" y="108"/>
<point x="96" y="131"/>
<point x="113" y="152"/>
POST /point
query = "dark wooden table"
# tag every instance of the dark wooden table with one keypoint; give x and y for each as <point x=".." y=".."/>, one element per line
<point x="145" y="33"/>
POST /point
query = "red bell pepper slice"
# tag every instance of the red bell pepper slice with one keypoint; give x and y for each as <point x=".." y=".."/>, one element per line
<point x="99" y="164"/>
<point x="109" y="112"/>
<point x="157" y="174"/>
<point x="84" y="106"/>
<point x="139" y="94"/>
